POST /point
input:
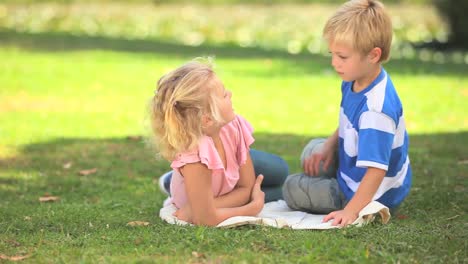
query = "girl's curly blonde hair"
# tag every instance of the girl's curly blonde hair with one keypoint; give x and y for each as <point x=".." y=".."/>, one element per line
<point x="182" y="97"/>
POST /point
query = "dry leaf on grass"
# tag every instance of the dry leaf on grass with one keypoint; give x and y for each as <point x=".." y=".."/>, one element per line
<point x="67" y="165"/>
<point x="87" y="172"/>
<point x="134" y="138"/>
<point x="138" y="223"/>
<point x="13" y="258"/>
<point x="138" y="241"/>
<point x="401" y="216"/>
<point x="14" y="243"/>
<point x="48" y="198"/>
<point x="197" y="254"/>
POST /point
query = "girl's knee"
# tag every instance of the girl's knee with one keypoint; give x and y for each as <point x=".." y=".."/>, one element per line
<point x="273" y="167"/>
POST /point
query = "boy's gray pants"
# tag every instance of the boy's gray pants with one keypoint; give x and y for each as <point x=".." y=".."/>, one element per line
<point x="315" y="194"/>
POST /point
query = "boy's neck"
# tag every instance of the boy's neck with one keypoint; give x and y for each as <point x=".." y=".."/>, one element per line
<point x="362" y="83"/>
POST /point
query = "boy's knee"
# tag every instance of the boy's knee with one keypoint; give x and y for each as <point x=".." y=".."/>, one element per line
<point x="311" y="194"/>
<point x="315" y="145"/>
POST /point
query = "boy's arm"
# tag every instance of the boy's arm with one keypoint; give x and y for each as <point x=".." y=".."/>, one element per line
<point x="363" y="196"/>
<point x="241" y="193"/>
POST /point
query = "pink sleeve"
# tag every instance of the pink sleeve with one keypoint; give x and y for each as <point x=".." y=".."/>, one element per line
<point x="206" y="154"/>
<point x="245" y="139"/>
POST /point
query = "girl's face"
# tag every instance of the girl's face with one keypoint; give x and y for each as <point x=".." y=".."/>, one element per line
<point x="223" y="96"/>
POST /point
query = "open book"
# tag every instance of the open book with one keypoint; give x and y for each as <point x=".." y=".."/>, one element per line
<point x="278" y="214"/>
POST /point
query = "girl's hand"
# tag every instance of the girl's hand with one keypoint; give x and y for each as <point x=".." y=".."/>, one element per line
<point x="257" y="197"/>
<point x="341" y="218"/>
<point x="184" y="214"/>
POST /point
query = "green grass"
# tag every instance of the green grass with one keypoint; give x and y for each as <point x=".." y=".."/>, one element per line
<point x="66" y="98"/>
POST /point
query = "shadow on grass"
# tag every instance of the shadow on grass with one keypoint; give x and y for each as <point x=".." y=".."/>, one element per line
<point x="125" y="165"/>
<point x="55" y="42"/>
<point x="93" y="211"/>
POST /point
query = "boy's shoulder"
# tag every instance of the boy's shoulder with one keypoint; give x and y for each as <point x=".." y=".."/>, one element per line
<point x="379" y="97"/>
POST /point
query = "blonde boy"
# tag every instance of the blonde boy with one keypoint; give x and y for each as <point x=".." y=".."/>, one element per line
<point x="371" y="138"/>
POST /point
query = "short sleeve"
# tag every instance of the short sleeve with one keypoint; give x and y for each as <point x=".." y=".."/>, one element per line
<point x="206" y="154"/>
<point x="245" y="139"/>
<point x="376" y="135"/>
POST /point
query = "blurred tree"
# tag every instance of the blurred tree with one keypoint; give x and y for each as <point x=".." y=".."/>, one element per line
<point x="455" y="13"/>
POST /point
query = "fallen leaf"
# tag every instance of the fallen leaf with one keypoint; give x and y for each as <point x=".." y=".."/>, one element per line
<point x="138" y="223"/>
<point x="14" y="243"/>
<point x="48" y="198"/>
<point x="402" y="216"/>
<point x="197" y="254"/>
<point x="134" y="138"/>
<point x="88" y="172"/>
<point x="67" y="165"/>
<point x="138" y="241"/>
<point x="13" y="258"/>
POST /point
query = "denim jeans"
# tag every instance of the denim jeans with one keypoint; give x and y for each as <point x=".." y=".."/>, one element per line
<point x="273" y="168"/>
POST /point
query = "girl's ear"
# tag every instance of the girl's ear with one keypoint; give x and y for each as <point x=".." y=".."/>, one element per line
<point x="207" y="121"/>
<point x="375" y="54"/>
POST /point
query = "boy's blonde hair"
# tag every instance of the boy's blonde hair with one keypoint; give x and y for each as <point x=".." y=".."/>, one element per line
<point x="363" y="24"/>
<point x="182" y="97"/>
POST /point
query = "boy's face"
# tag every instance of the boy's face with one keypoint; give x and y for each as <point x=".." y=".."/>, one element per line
<point x="349" y="63"/>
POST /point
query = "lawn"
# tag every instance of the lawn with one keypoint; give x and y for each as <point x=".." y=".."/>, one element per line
<point x="70" y="103"/>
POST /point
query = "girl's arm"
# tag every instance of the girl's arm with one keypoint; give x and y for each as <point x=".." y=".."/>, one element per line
<point x="241" y="193"/>
<point x="203" y="210"/>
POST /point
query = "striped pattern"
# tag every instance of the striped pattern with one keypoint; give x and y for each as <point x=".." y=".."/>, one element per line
<point x="372" y="133"/>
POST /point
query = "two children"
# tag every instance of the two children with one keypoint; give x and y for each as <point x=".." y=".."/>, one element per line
<point x="209" y="145"/>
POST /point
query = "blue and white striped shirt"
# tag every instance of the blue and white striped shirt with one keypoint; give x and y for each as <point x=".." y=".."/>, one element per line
<point x="372" y="133"/>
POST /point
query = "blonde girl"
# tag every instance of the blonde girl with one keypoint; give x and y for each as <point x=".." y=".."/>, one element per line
<point x="208" y="145"/>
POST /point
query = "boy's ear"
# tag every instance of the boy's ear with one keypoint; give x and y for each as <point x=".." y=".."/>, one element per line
<point x="375" y="54"/>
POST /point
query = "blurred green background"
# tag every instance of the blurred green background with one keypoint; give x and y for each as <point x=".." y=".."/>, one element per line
<point x="270" y="25"/>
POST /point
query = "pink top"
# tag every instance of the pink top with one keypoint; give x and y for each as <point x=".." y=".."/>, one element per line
<point x="236" y="137"/>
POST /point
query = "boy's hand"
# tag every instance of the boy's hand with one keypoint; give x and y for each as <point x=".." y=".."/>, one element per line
<point x="326" y="155"/>
<point x="312" y="164"/>
<point x="341" y="218"/>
